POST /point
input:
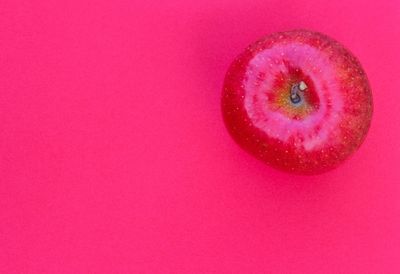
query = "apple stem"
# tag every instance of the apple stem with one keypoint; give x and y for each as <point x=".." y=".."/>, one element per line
<point x="295" y="97"/>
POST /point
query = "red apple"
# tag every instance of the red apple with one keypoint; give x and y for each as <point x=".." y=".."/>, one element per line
<point x="297" y="100"/>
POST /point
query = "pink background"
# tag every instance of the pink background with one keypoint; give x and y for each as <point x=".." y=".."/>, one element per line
<point x="114" y="157"/>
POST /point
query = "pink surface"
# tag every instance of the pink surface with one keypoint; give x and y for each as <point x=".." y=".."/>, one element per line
<point x="114" y="157"/>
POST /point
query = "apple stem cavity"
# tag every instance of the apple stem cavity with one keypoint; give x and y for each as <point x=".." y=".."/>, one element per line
<point x="295" y="97"/>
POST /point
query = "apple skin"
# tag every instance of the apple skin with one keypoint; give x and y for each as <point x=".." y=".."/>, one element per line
<point x="261" y="112"/>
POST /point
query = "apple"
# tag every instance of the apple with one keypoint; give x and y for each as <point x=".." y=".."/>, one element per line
<point x="297" y="100"/>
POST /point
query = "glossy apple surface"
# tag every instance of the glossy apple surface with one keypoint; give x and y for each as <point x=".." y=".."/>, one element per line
<point x="297" y="100"/>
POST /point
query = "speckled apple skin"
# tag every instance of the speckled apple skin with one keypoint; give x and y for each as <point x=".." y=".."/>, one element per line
<point x="315" y="137"/>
